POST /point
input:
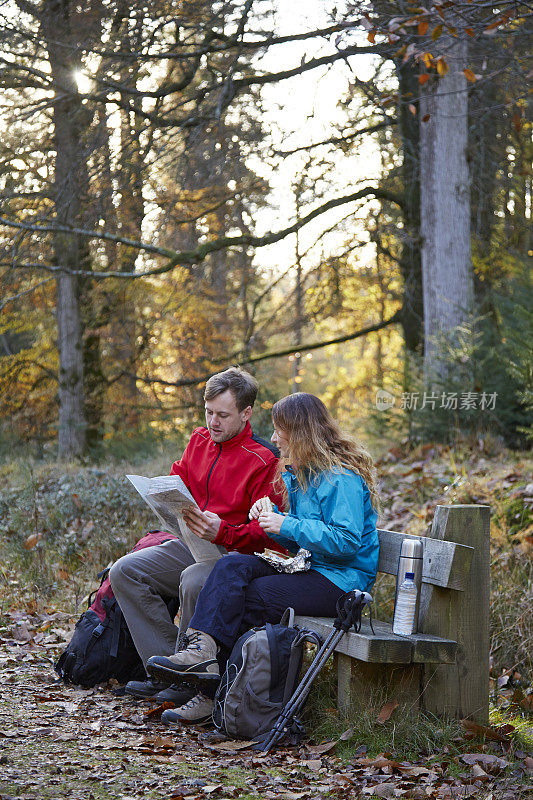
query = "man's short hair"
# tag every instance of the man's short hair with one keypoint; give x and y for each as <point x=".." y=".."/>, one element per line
<point x="241" y="384"/>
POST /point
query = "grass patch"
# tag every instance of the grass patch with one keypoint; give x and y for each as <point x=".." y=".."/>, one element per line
<point x="405" y="735"/>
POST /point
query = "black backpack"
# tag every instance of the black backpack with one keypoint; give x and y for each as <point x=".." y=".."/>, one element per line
<point x="260" y="678"/>
<point x="101" y="646"/>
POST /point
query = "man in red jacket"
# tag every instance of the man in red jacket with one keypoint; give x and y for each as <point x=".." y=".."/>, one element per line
<point x="226" y="468"/>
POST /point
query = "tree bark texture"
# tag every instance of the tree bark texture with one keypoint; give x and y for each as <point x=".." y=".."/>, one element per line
<point x="445" y="208"/>
<point x="410" y="259"/>
<point x="67" y="110"/>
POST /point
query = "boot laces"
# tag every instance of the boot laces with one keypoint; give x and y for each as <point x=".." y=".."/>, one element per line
<point x="194" y="641"/>
<point x="195" y="701"/>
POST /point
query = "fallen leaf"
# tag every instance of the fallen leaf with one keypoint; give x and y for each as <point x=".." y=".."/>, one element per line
<point x="346" y="735"/>
<point x="21" y="633"/>
<point x="86" y="530"/>
<point x="488" y="761"/>
<point x="477" y="773"/>
<point x="318" y="749"/>
<point x="386" y="711"/>
<point x="158" y="710"/>
<point x="231" y="746"/>
<point x="381" y="790"/>
<point x="486" y="732"/>
<point x="32" y="541"/>
<point x="312" y="764"/>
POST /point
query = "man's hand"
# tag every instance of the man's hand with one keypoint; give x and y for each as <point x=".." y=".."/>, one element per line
<point x="204" y="524"/>
<point x="271" y="522"/>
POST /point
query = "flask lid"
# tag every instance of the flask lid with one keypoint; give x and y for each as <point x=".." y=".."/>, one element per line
<point x="411" y="548"/>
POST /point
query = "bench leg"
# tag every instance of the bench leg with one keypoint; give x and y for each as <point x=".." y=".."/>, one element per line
<point x="461" y="689"/>
<point x="362" y="686"/>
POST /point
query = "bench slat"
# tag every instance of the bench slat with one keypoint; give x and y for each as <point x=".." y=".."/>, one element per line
<point x="385" y="647"/>
<point x="445" y="564"/>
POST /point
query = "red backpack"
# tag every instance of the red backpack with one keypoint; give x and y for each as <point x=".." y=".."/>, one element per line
<point x="101" y="646"/>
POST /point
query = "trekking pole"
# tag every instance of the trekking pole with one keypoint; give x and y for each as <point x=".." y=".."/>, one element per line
<point x="349" y="608"/>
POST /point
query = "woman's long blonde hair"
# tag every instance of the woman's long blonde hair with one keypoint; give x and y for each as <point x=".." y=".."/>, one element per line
<point x="317" y="444"/>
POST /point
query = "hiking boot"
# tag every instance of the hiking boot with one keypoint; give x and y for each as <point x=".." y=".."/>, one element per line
<point x="179" y="694"/>
<point x="144" y="689"/>
<point x="198" y="661"/>
<point x="199" y="709"/>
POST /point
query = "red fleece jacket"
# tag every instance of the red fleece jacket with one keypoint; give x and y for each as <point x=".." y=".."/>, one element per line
<point x="227" y="478"/>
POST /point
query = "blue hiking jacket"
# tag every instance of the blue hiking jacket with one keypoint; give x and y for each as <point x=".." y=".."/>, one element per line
<point x="335" y="521"/>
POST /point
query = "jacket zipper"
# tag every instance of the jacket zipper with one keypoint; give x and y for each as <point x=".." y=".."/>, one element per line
<point x="209" y="475"/>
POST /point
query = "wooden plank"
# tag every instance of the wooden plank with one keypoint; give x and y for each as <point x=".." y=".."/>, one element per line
<point x="385" y="647"/>
<point x="461" y="690"/>
<point x="445" y="563"/>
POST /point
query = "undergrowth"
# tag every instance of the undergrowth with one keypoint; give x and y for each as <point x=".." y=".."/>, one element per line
<point x="404" y="735"/>
<point x="61" y="523"/>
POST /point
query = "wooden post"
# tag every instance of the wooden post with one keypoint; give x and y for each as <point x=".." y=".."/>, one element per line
<point x="366" y="687"/>
<point x="462" y="689"/>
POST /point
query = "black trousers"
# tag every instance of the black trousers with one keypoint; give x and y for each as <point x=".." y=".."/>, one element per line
<point x="244" y="591"/>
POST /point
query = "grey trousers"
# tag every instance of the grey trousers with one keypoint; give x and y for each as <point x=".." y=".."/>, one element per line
<point x="140" y="581"/>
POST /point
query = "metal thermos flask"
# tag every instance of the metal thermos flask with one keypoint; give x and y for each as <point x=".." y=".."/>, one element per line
<point x="411" y="557"/>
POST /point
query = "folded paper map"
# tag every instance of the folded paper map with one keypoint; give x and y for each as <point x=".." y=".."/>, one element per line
<point x="168" y="496"/>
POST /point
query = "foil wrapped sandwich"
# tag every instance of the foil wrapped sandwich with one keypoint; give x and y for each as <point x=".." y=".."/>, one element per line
<point x="300" y="562"/>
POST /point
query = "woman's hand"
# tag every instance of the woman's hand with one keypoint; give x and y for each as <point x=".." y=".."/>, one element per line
<point x="270" y="521"/>
<point x="263" y="504"/>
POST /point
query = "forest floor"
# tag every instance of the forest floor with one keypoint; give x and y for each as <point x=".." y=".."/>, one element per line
<point x="60" y="526"/>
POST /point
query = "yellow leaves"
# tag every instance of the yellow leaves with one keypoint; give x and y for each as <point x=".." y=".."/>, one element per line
<point x="436" y="33"/>
<point x="442" y="67"/>
<point x="372" y="36"/>
<point x="469" y="75"/>
<point x="423" y="27"/>
<point x="470" y="32"/>
<point x="422" y="79"/>
<point x="427" y="58"/>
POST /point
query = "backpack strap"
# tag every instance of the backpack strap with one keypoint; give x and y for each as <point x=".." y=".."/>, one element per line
<point x="288" y="618"/>
<point x="115" y="615"/>
<point x="274" y="654"/>
<point x="295" y="660"/>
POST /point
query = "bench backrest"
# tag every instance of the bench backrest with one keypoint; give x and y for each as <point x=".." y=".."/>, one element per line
<point x="444" y="564"/>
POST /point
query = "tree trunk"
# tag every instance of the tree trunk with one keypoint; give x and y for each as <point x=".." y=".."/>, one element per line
<point x="410" y="259"/>
<point x="67" y="113"/>
<point x="445" y="209"/>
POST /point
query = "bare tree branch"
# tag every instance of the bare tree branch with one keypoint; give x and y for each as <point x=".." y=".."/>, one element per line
<point x="276" y="353"/>
<point x="196" y="256"/>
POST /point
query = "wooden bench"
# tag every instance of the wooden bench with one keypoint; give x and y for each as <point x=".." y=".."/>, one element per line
<point x="443" y="669"/>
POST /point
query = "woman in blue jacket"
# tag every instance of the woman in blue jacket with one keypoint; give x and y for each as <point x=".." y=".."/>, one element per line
<point x="329" y="491"/>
